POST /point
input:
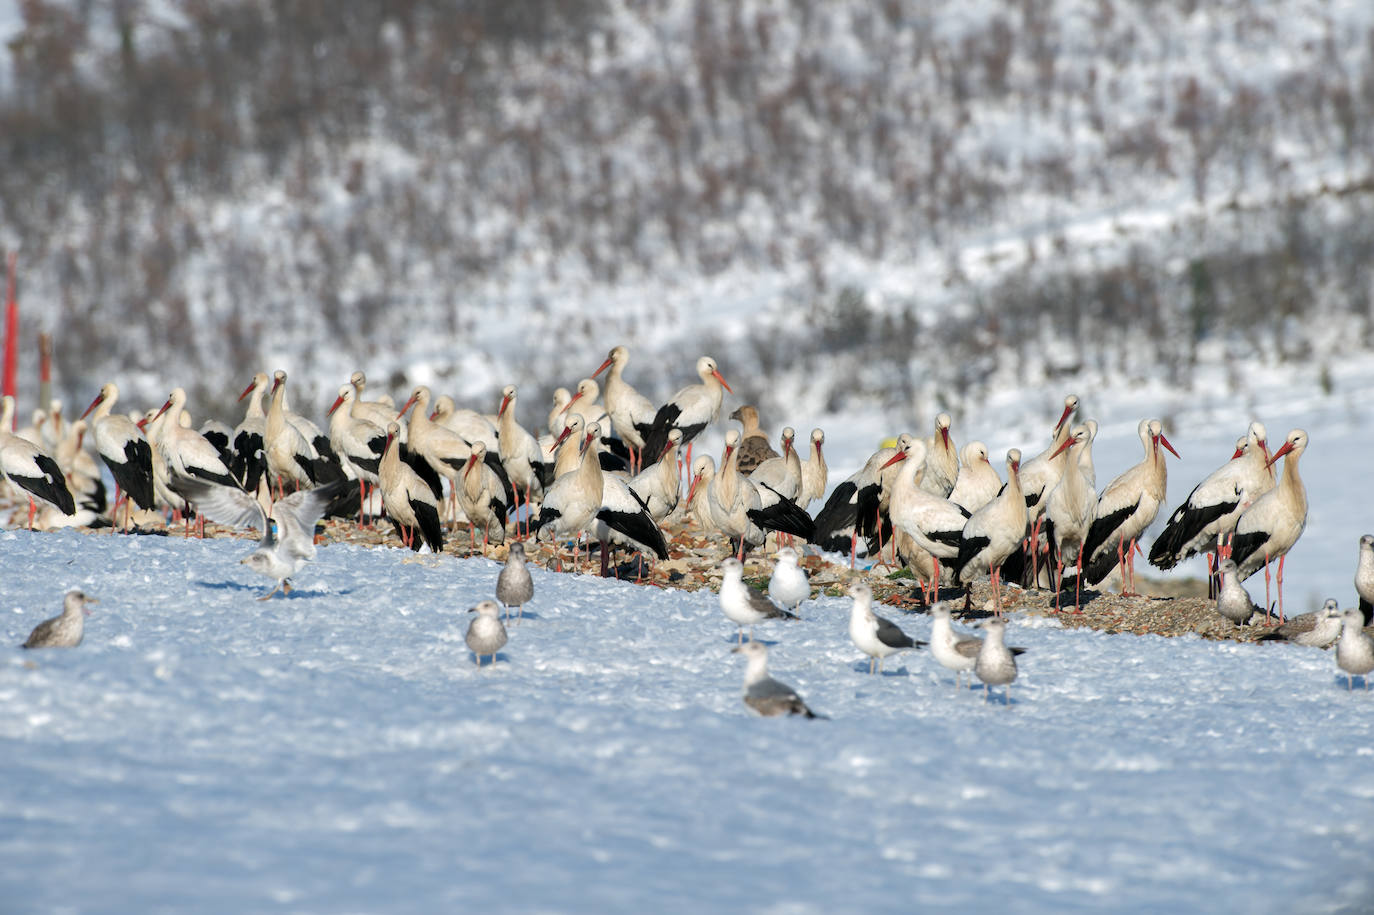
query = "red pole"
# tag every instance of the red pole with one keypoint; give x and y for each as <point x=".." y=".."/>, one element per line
<point x="11" y="332"/>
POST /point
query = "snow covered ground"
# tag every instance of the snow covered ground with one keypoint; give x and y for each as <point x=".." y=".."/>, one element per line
<point x="337" y="751"/>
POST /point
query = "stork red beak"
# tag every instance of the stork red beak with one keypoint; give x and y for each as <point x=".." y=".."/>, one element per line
<point x="472" y="460"/>
<point x="1015" y="466"/>
<point x="165" y="408"/>
<point x="434" y="415"/>
<point x="944" y="434"/>
<point x="1061" y="449"/>
<point x="729" y="450"/>
<point x="1165" y="442"/>
<point x="562" y="435"/>
<point x="276" y="383"/>
<point x="1062" y="418"/>
<point x="603" y="367"/>
<point x="692" y="490"/>
<point x="337" y="404"/>
<point x="502" y="410"/>
<point x="716" y="375"/>
<point x="1287" y="447"/>
<point x="409" y="403"/>
<point x="666" y="448"/>
<point x="249" y="390"/>
<point x="899" y="456"/>
<point x="571" y="400"/>
<point x="586" y="443"/>
<point x="142" y="422"/>
<point x="95" y="403"/>
<point x="786" y="447"/>
<point x="1239" y="452"/>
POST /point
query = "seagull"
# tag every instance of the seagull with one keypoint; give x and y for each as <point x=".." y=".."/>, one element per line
<point x="875" y="636"/>
<point x="287" y="525"/>
<point x="66" y="630"/>
<point x="789" y="584"/>
<point x="1233" y="601"/>
<point x="996" y="663"/>
<point x="486" y="634"/>
<point x="742" y="604"/>
<point x="514" y="587"/>
<point x="1319" y="630"/>
<point x="1355" y="650"/>
<point x="762" y="693"/>
<point x="954" y="650"/>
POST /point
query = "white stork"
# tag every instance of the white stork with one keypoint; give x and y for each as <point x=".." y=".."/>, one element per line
<point x="934" y="522"/>
<point x="1268" y="529"/>
<point x="124" y="449"/>
<point x="994" y="533"/>
<point x="1126" y="508"/>
<point x="690" y="409"/>
<point x="631" y="412"/>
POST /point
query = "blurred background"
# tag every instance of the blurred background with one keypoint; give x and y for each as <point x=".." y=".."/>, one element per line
<point x="893" y="207"/>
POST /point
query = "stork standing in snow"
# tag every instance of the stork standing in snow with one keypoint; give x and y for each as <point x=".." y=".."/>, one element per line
<point x="855" y="507"/>
<point x="124" y="449"/>
<point x="481" y="495"/>
<point x="1069" y="513"/>
<point x="409" y="501"/>
<point x="31" y="468"/>
<point x="1211" y="511"/>
<point x="690" y="409"/>
<point x="631" y="412"/>
<point x="358" y="443"/>
<point x="1268" y="529"/>
<point x="1040" y="474"/>
<point x="994" y="533"/>
<point x="521" y="456"/>
<point x="1364" y="578"/>
<point x="659" y="485"/>
<point x="934" y="522"/>
<point x="1126" y="508"/>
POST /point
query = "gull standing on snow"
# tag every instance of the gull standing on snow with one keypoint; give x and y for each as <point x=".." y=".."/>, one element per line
<point x="486" y="634"/>
<point x="514" y="587"/>
<point x="287" y="525"/>
<point x="954" y="650"/>
<point x="66" y="630"/>
<point x="742" y="604"/>
<point x="762" y="693"/>
<point x="1318" y="630"/>
<point x="874" y="636"/>
<point x="1233" y="601"/>
<point x="996" y="663"/>
<point x="789" y="584"/>
<point x="1355" y="650"/>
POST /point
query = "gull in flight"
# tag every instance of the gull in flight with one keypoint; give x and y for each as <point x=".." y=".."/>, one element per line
<point x="288" y="525"/>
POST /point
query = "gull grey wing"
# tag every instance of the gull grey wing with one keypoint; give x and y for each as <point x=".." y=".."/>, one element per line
<point x="222" y="504"/>
<point x="761" y="603"/>
<point x="889" y="633"/>
<point x="298" y="512"/>
<point x="968" y="647"/>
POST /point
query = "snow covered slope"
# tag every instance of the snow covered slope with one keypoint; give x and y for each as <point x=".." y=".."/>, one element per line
<point x="337" y="751"/>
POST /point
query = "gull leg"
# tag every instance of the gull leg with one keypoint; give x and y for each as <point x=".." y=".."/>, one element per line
<point x="270" y="593"/>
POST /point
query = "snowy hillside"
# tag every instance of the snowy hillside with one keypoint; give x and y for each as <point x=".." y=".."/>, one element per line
<point x="883" y="207"/>
<point x="337" y="750"/>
